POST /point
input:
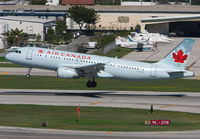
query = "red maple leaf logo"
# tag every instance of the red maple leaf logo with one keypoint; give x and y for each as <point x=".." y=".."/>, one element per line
<point x="40" y="51"/>
<point x="179" y="57"/>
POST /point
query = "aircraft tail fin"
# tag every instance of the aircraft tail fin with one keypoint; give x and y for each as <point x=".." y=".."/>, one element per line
<point x="178" y="57"/>
<point x="117" y="40"/>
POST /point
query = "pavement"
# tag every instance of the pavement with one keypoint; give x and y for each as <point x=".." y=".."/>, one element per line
<point x="73" y="46"/>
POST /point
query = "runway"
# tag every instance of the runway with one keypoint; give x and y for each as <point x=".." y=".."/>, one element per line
<point x="171" y="101"/>
<point x="31" y="133"/>
<point x="179" y="101"/>
<point x="24" y="71"/>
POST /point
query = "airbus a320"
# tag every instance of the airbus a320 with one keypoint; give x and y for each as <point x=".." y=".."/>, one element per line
<point x="76" y="65"/>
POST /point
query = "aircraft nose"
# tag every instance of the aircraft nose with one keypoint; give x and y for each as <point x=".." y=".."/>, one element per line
<point x="8" y="57"/>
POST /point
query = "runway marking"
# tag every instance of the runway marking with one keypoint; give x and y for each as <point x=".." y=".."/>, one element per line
<point x="167" y="106"/>
<point x="109" y="132"/>
<point x="3" y="73"/>
<point x="95" y="103"/>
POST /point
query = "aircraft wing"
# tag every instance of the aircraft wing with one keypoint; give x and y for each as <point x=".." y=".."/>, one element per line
<point x="88" y="69"/>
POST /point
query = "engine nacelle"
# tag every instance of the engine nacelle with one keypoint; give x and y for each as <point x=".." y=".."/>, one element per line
<point x="64" y="72"/>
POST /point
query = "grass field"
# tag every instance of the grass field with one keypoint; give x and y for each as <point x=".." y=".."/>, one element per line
<point x="119" y="52"/>
<point x="94" y="118"/>
<point x="41" y="82"/>
<point x="2" y="59"/>
<point x="10" y="65"/>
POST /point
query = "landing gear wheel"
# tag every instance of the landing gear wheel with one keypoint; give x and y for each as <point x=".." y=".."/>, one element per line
<point x="94" y="84"/>
<point x="28" y="75"/>
<point x="89" y="84"/>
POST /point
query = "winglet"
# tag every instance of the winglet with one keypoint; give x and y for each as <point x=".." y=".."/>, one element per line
<point x="179" y="56"/>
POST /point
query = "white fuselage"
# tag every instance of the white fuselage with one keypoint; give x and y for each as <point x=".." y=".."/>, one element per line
<point x="114" y="68"/>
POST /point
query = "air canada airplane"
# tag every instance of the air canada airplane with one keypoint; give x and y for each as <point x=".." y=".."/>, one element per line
<point x="76" y="65"/>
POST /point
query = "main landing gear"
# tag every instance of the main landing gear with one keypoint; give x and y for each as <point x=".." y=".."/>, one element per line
<point x="92" y="83"/>
<point x="29" y="71"/>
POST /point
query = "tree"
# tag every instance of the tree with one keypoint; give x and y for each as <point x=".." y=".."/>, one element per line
<point x="51" y="36"/>
<point x="137" y="28"/>
<point x="94" y="17"/>
<point x="60" y="27"/>
<point x="38" y="37"/>
<point x="16" y="37"/>
<point x="82" y="15"/>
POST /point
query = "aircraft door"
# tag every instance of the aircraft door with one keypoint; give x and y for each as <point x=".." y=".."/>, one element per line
<point x="29" y="53"/>
<point x="153" y="71"/>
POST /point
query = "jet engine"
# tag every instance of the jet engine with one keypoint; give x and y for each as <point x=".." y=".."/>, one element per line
<point x="64" y="72"/>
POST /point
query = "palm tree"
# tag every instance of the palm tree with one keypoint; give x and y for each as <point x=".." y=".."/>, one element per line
<point x="16" y="37"/>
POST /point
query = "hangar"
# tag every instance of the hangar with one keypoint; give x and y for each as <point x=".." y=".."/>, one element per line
<point x="30" y="25"/>
<point x="182" y="20"/>
<point x="181" y="25"/>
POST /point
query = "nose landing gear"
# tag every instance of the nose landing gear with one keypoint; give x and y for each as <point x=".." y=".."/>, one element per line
<point x="29" y="71"/>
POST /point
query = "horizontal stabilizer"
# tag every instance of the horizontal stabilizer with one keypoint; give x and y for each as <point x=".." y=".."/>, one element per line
<point x="180" y="74"/>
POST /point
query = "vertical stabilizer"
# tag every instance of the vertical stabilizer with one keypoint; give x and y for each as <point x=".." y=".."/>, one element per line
<point x="118" y="40"/>
<point x="179" y="56"/>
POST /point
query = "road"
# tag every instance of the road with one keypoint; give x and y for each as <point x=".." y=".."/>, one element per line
<point x="73" y="46"/>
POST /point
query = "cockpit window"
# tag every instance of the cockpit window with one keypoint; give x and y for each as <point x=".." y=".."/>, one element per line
<point x="17" y="51"/>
